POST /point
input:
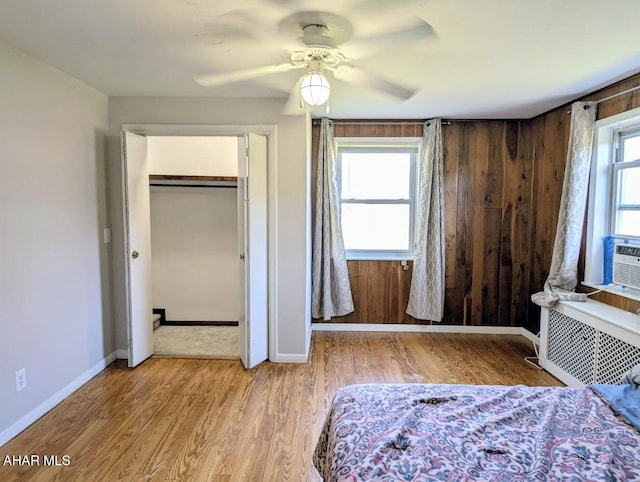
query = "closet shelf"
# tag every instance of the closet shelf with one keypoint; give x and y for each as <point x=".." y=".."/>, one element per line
<point x="192" y="181"/>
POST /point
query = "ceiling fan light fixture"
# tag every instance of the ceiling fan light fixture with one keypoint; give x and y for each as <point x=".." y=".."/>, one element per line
<point x="315" y="88"/>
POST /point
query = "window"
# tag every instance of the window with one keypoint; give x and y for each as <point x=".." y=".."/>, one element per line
<point x="614" y="196"/>
<point x="625" y="208"/>
<point x="377" y="186"/>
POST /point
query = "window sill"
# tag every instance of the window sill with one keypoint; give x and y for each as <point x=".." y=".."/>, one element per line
<point x="616" y="290"/>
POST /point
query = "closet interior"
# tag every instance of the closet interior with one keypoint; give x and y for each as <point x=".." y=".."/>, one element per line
<point x="194" y="245"/>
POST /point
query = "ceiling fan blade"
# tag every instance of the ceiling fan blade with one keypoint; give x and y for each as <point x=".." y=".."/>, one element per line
<point x="355" y="75"/>
<point x="256" y="27"/>
<point x="214" y="80"/>
<point x="410" y="31"/>
<point x="295" y="105"/>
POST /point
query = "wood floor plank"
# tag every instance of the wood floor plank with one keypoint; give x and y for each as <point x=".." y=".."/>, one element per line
<point x="210" y="420"/>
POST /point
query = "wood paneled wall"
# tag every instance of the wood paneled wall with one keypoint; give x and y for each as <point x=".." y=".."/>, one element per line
<point x="487" y="191"/>
<point x="487" y="208"/>
<point x="550" y="138"/>
<point x="503" y="183"/>
<point x="548" y="151"/>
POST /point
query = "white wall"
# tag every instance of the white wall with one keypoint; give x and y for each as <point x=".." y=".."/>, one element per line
<point x="294" y="243"/>
<point x="289" y="210"/>
<point x="194" y="249"/>
<point x="193" y="155"/>
<point x="54" y="267"/>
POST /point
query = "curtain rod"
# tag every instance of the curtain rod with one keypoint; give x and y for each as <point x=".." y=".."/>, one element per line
<point x="613" y="96"/>
<point x="381" y="123"/>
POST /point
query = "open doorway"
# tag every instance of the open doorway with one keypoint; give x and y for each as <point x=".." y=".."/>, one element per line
<point x="194" y="245"/>
<point x="252" y="229"/>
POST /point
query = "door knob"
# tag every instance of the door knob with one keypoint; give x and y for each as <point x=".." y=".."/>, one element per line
<point x="135" y="254"/>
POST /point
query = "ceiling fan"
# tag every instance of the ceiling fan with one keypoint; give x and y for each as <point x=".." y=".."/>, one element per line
<point x="325" y="45"/>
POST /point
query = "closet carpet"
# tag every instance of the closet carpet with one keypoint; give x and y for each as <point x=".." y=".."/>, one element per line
<point x="196" y="341"/>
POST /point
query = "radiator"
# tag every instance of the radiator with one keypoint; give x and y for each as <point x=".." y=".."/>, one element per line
<point x="590" y="342"/>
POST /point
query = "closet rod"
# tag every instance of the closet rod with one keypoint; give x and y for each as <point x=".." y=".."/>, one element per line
<point x="174" y="180"/>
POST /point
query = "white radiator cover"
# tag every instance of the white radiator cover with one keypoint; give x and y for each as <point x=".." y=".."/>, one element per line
<point x="590" y="342"/>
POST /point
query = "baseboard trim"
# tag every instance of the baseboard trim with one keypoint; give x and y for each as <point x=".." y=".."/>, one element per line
<point x="54" y="400"/>
<point x="197" y="323"/>
<point x="290" y="358"/>
<point x="400" y="328"/>
<point x="122" y="354"/>
<point x="530" y="336"/>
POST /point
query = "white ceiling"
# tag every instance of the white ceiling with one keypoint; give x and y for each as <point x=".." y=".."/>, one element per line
<point x="487" y="59"/>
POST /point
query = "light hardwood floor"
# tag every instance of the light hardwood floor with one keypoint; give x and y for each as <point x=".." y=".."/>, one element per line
<point x="210" y="420"/>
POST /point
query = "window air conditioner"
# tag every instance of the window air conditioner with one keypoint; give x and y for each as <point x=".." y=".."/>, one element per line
<point x="626" y="265"/>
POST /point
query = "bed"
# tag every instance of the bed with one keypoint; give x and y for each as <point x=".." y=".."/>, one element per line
<point x="420" y="432"/>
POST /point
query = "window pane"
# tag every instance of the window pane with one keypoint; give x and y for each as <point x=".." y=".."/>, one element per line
<point x="628" y="223"/>
<point x="375" y="175"/>
<point x="629" y="185"/>
<point x="375" y="226"/>
<point x="631" y="149"/>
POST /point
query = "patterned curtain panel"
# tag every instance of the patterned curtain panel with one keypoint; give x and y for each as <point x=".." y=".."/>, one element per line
<point x="330" y="288"/>
<point x="563" y="274"/>
<point x="426" y="296"/>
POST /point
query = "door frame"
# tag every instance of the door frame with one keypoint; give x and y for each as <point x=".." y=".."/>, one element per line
<point x="270" y="132"/>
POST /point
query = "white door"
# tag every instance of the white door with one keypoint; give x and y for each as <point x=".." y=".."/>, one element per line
<point x="252" y="243"/>
<point x="137" y="227"/>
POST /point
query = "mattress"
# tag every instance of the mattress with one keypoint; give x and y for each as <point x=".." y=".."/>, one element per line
<point x="421" y="432"/>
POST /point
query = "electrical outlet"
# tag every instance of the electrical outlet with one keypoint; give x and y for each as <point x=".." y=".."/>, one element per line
<point x="21" y="379"/>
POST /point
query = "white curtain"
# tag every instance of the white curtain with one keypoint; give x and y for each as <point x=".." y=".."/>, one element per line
<point x="330" y="288"/>
<point x="563" y="274"/>
<point x="426" y="296"/>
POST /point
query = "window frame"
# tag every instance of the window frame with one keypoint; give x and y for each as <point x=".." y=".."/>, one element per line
<point x="618" y="165"/>
<point x="380" y="144"/>
<point x="602" y="200"/>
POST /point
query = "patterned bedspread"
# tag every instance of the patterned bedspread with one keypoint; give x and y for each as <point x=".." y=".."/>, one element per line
<point x="417" y="432"/>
